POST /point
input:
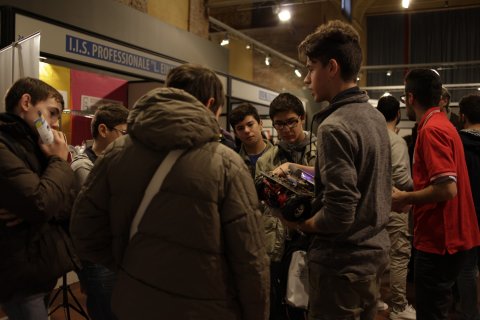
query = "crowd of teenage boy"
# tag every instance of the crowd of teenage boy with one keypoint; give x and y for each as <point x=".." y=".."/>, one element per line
<point x="156" y="238"/>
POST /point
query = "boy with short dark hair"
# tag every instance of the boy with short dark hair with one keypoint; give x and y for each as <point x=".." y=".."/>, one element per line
<point x="446" y="229"/>
<point x="470" y="135"/>
<point x="35" y="184"/>
<point x="247" y="127"/>
<point x="199" y="252"/>
<point x="109" y="123"/>
<point x="203" y="84"/>
<point x="295" y="147"/>
<point x="352" y="181"/>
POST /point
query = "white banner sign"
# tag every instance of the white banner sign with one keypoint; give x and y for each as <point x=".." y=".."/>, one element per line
<point x="18" y="60"/>
<point x="249" y="92"/>
<point x="79" y="46"/>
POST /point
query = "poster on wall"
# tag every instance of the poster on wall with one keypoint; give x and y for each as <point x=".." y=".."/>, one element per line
<point x="89" y="90"/>
<point x="58" y="77"/>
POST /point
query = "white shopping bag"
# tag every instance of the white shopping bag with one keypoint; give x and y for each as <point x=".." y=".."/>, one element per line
<point x="297" y="283"/>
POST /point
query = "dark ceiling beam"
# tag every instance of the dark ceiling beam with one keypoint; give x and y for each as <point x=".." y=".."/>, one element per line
<point x="256" y="44"/>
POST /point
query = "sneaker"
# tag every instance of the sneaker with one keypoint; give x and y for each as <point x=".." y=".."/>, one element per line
<point x="381" y="306"/>
<point x="408" y="313"/>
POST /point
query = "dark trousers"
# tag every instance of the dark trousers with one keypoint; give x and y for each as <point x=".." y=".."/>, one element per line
<point x="467" y="287"/>
<point x="97" y="282"/>
<point x="434" y="278"/>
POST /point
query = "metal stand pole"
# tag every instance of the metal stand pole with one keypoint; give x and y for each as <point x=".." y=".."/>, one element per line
<point x="65" y="304"/>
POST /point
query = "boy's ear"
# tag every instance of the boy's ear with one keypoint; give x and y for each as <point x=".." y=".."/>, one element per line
<point x="333" y="67"/>
<point x="102" y="130"/>
<point x="210" y="103"/>
<point x="24" y="102"/>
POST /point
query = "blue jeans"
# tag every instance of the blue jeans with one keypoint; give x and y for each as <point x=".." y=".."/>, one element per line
<point x="97" y="282"/>
<point x="28" y="308"/>
<point x="467" y="287"/>
<point x="434" y="278"/>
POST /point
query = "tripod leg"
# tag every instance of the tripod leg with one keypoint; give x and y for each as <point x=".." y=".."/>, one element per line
<point x="78" y="306"/>
<point x="65" y="304"/>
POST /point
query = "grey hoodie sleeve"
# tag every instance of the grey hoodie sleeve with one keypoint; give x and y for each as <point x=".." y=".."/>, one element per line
<point x="336" y="156"/>
<point x="81" y="166"/>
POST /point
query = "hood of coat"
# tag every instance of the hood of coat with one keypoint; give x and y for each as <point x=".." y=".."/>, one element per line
<point x="168" y="118"/>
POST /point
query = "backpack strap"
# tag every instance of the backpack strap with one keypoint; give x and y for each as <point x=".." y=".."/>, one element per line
<point x="154" y="187"/>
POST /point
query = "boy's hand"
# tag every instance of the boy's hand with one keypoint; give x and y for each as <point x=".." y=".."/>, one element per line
<point x="58" y="148"/>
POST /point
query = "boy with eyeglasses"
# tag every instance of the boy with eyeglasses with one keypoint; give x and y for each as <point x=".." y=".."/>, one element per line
<point x="108" y="124"/>
<point x="296" y="146"/>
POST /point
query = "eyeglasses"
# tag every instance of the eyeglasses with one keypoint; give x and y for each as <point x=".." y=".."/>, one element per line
<point x="290" y="123"/>
<point x="122" y="132"/>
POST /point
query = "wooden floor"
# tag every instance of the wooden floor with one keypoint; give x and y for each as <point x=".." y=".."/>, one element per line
<point x="60" y="313"/>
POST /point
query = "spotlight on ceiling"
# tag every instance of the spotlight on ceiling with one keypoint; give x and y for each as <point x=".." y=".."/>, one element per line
<point x="405" y="4"/>
<point x="225" y="41"/>
<point x="267" y="60"/>
<point x="248" y="46"/>
<point x="284" y="15"/>
<point x="298" y="73"/>
<point x="389" y="73"/>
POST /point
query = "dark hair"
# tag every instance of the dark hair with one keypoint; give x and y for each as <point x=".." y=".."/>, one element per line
<point x="285" y="102"/>
<point x="389" y="107"/>
<point x="334" y="40"/>
<point x="37" y="89"/>
<point x="239" y="113"/>
<point x="425" y="86"/>
<point x="110" y="115"/>
<point x="200" y="82"/>
<point x="470" y="108"/>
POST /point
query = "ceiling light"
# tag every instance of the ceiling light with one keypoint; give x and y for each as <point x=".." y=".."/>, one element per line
<point x="358" y="78"/>
<point x="298" y="73"/>
<point x="248" y="46"/>
<point x="389" y="73"/>
<point x="405" y="4"/>
<point x="225" y="41"/>
<point x="478" y="88"/>
<point x="267" y="60"/>
<point x="284" y="15"/>
<point x="386" y="94"/>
